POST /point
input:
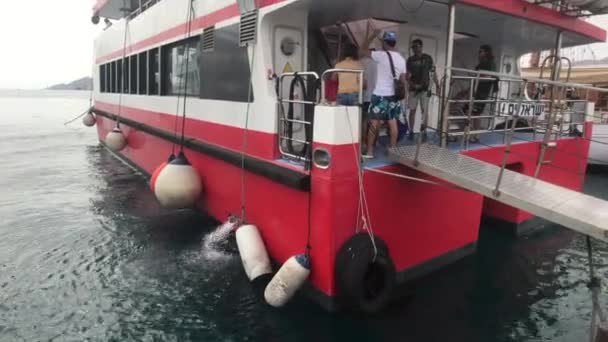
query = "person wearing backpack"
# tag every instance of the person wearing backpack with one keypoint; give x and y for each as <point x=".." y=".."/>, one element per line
<point x="389" y="90"/>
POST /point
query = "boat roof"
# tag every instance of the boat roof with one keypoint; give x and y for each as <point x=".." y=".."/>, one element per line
<point x="519" y="24"/>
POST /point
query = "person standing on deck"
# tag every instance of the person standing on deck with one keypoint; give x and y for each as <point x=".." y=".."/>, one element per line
<point x="484" y="87"/>
<point x="385" y="105"/>
<point x="349" y="84"/>
<point x="370" y="74"/>
<point x="420" y="66"/>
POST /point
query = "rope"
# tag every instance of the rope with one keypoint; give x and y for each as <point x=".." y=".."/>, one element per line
<point x="124" y="72"/>
<point x="78" y="117"/>
<point x="363" y="208"/>
<point x="594" y="286"/>
<point x="187" y="52"/>
<point x="407" y="10"/>
<point x="415" y="179"/>
<point x="244" y="145"/>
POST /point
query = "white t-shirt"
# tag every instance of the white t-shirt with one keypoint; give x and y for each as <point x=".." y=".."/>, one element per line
<point x="384" y="81"/>
<point x="370" y="75"/>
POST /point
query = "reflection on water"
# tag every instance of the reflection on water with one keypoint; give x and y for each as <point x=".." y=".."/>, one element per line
<point x="87" y="254"/>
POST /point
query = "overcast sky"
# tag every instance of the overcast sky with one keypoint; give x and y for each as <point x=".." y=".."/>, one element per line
<point x="45" y="42"/>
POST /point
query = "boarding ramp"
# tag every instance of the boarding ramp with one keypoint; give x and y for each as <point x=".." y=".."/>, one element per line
<point x="572" y="209"/>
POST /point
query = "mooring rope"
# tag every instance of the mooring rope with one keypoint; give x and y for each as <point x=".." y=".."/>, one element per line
<point x="246" y="130"/>
<point x="124" y="72"/>
<point x="363" y="208"/>
<point x="189" y="32"/>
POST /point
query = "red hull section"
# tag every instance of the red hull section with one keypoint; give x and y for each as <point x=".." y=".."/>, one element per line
<point x="419" y="222"/>
<point x="565" y="166"/>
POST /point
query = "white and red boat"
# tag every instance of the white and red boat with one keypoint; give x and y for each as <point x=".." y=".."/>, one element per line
<point x="256" y="122"/>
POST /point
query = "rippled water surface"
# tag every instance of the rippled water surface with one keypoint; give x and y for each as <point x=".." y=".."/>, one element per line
<point x="86" y="254"/>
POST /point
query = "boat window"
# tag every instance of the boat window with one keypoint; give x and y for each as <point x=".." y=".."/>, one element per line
<point x="124" y="75"/>
<point x="143" y="73"/>
<point x="133" y="74"/>
<point x="180" y="68"/>
<point x="114" y="77"/>
<point x="225" y="69"/>
<point x="153" y="72"/>
<point x="108" y="77"/>
<point x="102" y="78"/>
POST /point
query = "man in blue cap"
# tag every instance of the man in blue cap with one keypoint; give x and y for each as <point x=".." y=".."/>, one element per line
<point x="385" y="105"/>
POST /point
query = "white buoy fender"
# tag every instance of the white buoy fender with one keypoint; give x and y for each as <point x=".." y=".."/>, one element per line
<point x="291" y="277"/>
<point x="89" y="119"/>
<point x="253" y="252"/>
<point x="158" y="170"/>
<point x="178" y="184"/>
<point x="116" y="140"/>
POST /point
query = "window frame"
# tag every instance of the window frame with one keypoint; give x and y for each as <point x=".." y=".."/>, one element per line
<point x="133" y="77"/>
<point x="194" y="41"/>
<point x="142" y="73"/>
<point x="153" y="85"/>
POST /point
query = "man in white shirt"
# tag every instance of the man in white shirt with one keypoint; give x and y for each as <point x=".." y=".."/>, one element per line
<point x="384" y="104"/>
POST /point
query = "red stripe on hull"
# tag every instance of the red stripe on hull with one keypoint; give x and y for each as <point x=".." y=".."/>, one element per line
<point x="280" y="212"/>
<point x="204" y="21"/>
<point x="420" y="221"/>
<point x="416" y="220"/>
<point x="259" y="144"/>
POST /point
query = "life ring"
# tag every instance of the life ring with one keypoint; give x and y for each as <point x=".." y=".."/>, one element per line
<point x="365" y="283"/>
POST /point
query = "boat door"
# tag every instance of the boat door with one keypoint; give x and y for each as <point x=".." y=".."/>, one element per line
<point x="507" y="67"/>
<point x="288" y="57"/>
<point x="430" y="47"/>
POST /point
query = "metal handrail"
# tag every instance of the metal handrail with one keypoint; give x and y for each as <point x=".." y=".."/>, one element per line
<point x="346" y="71"/>
<point x="529" y="80"/>
<point x="294" y="74"/>
<point x="141" y="9"/>
<point x="304" y="123"/>
<point x="558" y="109"/>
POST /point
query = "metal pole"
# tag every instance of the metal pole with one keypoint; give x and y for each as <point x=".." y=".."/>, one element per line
<point x="505" y="157"/>
<point x="443" y="127"/>
<point x="551" y="121"/>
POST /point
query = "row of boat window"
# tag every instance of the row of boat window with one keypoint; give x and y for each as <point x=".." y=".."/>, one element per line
<point x="216" y="71"/>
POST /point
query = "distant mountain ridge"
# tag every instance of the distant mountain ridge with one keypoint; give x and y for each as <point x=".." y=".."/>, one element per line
<point x="85" y="83"/>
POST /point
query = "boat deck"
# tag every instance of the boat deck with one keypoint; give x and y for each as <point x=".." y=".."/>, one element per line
<point x="382" y="158"/>
<point x="496" y="139"/>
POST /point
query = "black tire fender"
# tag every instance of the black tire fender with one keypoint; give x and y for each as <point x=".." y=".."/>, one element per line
<point x="365" y="283"/>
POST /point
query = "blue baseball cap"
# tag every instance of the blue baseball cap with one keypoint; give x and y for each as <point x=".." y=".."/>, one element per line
<point x="389" y="36"/>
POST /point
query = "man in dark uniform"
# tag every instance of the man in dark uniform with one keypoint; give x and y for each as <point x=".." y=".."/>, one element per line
<point x="420" y="66"/>
<point x="485" y="87"/>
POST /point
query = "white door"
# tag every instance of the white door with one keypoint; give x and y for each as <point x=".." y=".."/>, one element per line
<point x="288" y="56"/>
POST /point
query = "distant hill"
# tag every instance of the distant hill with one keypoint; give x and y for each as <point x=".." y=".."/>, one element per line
<point x="85" y="83"/>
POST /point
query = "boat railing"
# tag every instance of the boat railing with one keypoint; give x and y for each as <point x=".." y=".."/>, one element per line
<point x="533" y="105"/>
<point x="330" y="72"/>
<point x="554" y="111"/>
<point x="143" y="6"/>
<point x="295" y="121"/>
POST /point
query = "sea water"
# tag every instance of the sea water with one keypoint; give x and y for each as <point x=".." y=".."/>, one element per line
<point x="87" y="254"/>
